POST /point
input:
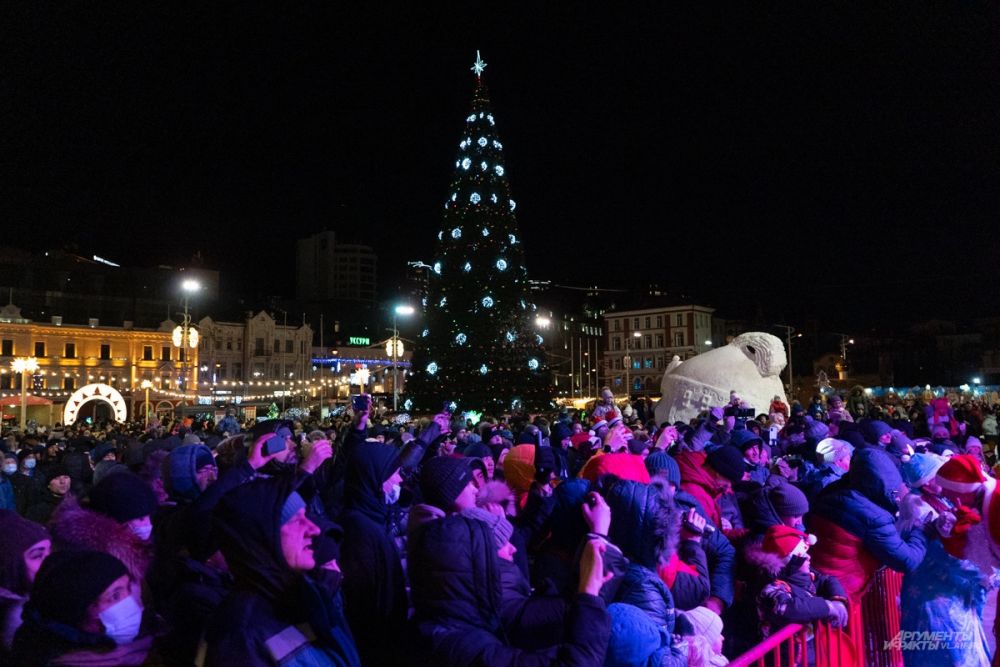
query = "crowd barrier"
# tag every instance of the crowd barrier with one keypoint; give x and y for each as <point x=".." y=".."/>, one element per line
<point x="866" y="642"/>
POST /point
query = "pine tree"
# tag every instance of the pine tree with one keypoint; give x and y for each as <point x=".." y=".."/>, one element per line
<point x="479" y="347"/>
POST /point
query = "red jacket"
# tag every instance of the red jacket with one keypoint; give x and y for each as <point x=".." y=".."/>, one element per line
<point x="699" y="483"/>
<point x="843" y="556"/>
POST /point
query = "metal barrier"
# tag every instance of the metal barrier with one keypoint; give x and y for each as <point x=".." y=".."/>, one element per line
<point x="867" y="641"/>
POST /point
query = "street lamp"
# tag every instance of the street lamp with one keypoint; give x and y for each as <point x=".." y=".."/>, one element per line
<point x="397" y="350"/>
<point x="146" y="385"/>
<point x="543" y="322"/>
<point x="628" y="363"/>
<point x="185" y="336"/>
<point x="26" y="366"/>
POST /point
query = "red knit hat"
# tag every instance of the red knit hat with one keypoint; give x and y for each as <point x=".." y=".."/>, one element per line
<point x="783" y="541"/>
<point x="961" y="474"/>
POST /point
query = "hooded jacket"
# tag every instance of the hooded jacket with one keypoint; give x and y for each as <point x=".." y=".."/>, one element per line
<point x="457" y="599"/>
<point x="719" y="552"/>
<point x="696" y="481"/>
<point x="274" y="616"/>
<point x="374" y="583"/>
<point x="854" y="521"/>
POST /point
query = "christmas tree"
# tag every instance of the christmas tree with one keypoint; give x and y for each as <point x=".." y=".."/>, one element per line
<point x="479" y="347"/>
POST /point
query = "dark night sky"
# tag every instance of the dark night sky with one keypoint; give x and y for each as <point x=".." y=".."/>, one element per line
<point x="841" y="163"/>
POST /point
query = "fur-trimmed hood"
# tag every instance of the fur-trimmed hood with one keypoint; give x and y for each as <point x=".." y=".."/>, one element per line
<point x="75" y="528"/>
<point x="645" y="522"/>
<point x="768" y="565"/>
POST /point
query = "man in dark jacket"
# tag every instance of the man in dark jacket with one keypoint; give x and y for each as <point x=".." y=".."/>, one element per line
<point x="276" y="614"/>
<point x="457" y="603"/>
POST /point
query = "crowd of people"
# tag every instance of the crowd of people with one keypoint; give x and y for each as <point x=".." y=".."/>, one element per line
<point x="568" y="538"/>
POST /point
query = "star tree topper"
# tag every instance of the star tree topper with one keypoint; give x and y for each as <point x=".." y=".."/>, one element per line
<point x="479" y="65"/>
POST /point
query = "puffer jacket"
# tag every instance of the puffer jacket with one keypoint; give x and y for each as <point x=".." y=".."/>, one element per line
<point x="696" y="482"/>
<point x="719" y="552"/>
<point x="855" y="525"/>
<point x="457" y="601"/>
<point x="531" y="622"/>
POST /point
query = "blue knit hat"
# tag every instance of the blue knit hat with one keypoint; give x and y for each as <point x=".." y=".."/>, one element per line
<point x="874" y="429"/>
<point x="634" y="638"/>
<point x="661" y="462"/>
<point x="920" y="469"/>
<point x="816" y="430"/>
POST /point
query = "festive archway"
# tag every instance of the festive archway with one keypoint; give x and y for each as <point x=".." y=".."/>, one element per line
<point x="94" y="392"/>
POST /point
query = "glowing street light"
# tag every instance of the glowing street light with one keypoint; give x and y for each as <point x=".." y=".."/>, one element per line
<point x="146" y="385"/>
<point x="543" y="322"/>
<point x="396" y="350"/>
<point x="26" y="366"/>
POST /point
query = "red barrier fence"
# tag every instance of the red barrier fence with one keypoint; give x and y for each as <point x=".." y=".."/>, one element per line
<point x="866" y="642"/>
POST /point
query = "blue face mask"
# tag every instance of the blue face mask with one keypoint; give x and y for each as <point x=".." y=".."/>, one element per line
<point x="10" y="468"/>
<point x="30" y="463"/>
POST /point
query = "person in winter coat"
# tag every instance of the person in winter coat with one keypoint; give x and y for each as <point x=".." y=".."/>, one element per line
<point x="25" y="546"/>
<point x="374" y="583"/>
<point x="645" y="527"/>
<point x="855" y="522"/>
<point x="788" y="590"/>
<point x="709" y="476"/>
<point x="457" y="600"/>
<point x="833" y="457"/>
<point x="277" y="613"/>
<point x="46" y="502"/>
<point x="83" y="610"/>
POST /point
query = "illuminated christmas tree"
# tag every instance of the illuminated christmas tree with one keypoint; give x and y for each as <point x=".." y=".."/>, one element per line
<point x="480" y="347"/>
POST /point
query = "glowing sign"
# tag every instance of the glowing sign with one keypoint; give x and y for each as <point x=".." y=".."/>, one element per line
<point x="359" y="340"/>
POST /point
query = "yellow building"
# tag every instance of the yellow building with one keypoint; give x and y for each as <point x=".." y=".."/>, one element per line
<point x="72" y="356"/>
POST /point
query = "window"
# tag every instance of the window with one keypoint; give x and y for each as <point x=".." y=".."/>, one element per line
<point x="221" y="371"/>
<point x="617" y="364"/>
<point x="637" y="345"/>
<point x="237" y="371"/>
<point x="258" y="348"/>
<point x="165" y="353"/>
<point x="679" y="339"/>
<point x="616" y="343"/>
<point x="659" y="340"/>
<point x="277" y="345"/>
<point x="69" y="384"/>
<point x="40" y="349"/>
<point x="289" y="343"/>
<point x="147" y="352"/>
<point x="105" y="351"/>
<point x="635" y="322"/>
<point x="239" y="345"/>
<point x="647" y="362"/>
<point x="229" y="344"/>
<point x="302" y="347"/>
<point x="7" y="348"/>
<point x="218" y="344"/>
<point x="636" y="364"/>
<point x="647" y="322"/>
<point x="659" y="362"/>
<point x="659" y="321"/>
<point x="618" y="325"/>
<point x="182" y="357"/>
<point x="679" y="319"/>
<point x="648" y="341"/>
<point x="6" y="381"/>
<point x="70" y="351"/>
<point x="165" y="383"/>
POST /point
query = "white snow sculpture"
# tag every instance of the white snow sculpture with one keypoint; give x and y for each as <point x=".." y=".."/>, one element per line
<point x="750" y="365"/>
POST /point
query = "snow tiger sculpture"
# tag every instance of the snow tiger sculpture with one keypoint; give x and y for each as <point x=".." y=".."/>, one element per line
<point x="749" y="365"/>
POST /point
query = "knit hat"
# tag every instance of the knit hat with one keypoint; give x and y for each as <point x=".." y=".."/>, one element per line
<point x="519" y="467"/>
<point x="477" y="450"/>
<point x="293" y="503"/>
<point x="123" y="497"/>
<point x="973" y="441"/>
<point x="874" y="429"/>
<point x="706" y="623"/>
<point x="443" y="478"/>
<point x="744" y="439"/>
<point x="815" y="430"/>
<point x="634" y="637"/>
<point x="191" y="439"/>
<point x="102" y="450"/>
<point x="69" y="582"/>
<point x="920" y="469"/>
<point x="19" y="535"/>
<point x="663" y="462"/>
<point x="940" y="433"/>
<point x="961" y="474"/>
<point x="56" y="470"/>
<point x="501" y="527"/>
<point x="829" y="450"/>
<point x="785" y="542"/>
<point x="787" y="500"/>
<point x="728" y="462"/>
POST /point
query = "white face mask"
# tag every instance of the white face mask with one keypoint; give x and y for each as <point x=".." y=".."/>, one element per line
<point x="142" y="532"/>
<point x="29" y="463"/>
<point x="122" y="620"/>
<point x="392" y="497"/>
<point x="10" y="468"/>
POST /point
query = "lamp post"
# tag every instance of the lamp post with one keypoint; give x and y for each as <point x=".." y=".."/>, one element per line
<point x="185" y="336"/>
<point x="146" y="385"/>
<point x="397" y="350"/>
<point x="26" y="366"/>
<point x="845" y="340"/>
<point x="628" y="362"/>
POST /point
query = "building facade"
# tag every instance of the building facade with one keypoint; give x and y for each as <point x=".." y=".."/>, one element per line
<point x="71" y="356"/>
<point x="639" y="344"/>
<point x="330" y="270"/>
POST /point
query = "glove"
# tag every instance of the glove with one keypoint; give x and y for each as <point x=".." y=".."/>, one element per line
<point x="838" y="613"/>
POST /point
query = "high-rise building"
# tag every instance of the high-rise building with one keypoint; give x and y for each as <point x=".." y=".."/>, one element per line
<point x="326" y="269"/>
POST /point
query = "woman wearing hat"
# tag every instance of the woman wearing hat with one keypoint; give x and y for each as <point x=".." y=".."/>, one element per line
<point x="25" y="546"/>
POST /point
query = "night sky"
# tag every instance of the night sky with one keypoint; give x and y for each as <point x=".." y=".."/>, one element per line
<point x="841" y="164"/>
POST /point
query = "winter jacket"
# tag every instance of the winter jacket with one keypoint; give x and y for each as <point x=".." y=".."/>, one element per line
<point x="699" y="484"/>
<point x="75" y="528"/>
<point x="719" y="551"/>
<point x="43" y="507"/>
<point x="686" y="575"/>
<point x="819" y="478"/>
<point x="274" y="616"/>
<point x="374" y="582"/>
<point x="530" y="622"/>
<point x="458" y="600"/>
<point x="7" y="494"/>
<point x="855" y="525"/>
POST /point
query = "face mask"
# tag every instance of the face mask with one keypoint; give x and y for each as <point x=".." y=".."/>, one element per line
<point x="122" y="620"/>
<point x="30" y="463"/>
<point x="392" y="497"/>
<point x="143" y="532"/>
<point x="10" y="468"/>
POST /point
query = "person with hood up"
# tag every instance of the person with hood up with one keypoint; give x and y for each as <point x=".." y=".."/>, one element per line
<point x="833" y="457"/>
<point x="754" y="451"/>
<point x="855" y="521"/>
<point x="84" y="610"/>
<point x="374" y="583"/>
<point x="457" y="600"/>
<point x="709" y="476"/>
<point x="277" y="614"/>
<point x="55" y="491"/>
<point x="25" y="546"/>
